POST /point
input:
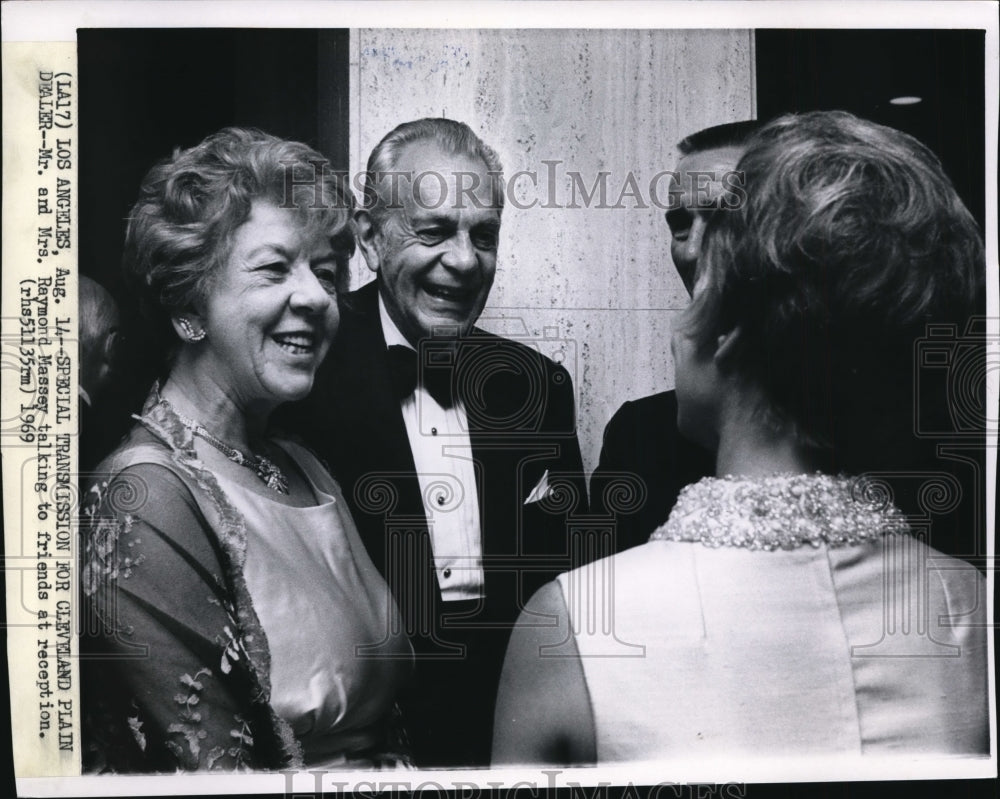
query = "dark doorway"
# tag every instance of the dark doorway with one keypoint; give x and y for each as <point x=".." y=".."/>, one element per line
<point x="144" y="93"/>
<point x="862" y="71"/>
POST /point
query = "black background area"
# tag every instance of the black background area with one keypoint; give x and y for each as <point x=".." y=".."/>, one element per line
<point x="861" y="70"/>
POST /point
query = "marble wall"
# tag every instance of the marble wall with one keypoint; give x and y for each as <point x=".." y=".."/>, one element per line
<point x="593" y="285"/>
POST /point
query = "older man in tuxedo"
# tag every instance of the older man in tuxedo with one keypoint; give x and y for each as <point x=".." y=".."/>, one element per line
<point x="456" y="449"/>
<point x="642" y="446"/>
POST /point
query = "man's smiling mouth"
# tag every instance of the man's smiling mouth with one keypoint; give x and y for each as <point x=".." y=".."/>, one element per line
<point x="449" y="293"/>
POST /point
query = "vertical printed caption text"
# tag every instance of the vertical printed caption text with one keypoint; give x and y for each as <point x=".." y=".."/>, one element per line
<point x="47" y="334"/>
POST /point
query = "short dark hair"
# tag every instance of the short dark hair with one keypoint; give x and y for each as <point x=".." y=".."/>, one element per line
<point x="450" y="135"/>
<point x="728" y="134"/>
<point x="851" y="241"/>
<point x="180" y="229"/>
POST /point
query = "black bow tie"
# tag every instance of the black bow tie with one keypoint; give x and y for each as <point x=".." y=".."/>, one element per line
<point x="435" y="373"/>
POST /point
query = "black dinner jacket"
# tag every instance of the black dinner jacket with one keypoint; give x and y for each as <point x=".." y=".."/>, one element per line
<point x="522" y="424"/>
<point x="644" y="464"/>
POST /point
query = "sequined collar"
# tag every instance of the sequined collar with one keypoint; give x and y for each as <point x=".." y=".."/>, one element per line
<point x="781" y="512"/>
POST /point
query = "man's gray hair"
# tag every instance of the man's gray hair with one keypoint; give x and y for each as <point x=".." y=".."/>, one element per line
<point x="451" y="136"/>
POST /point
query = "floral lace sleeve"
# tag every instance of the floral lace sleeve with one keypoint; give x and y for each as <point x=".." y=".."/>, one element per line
<point x="164" y="680"/>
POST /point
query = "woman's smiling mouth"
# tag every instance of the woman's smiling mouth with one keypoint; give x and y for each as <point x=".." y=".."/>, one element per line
<point x="297" y="343"/>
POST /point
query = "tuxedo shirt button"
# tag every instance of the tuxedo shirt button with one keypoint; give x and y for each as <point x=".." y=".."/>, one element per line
<point x="446" y="573"/>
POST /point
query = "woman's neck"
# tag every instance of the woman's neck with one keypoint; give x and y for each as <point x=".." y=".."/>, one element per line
<point x="751" y="446"/>
<point x="202" y="399"/>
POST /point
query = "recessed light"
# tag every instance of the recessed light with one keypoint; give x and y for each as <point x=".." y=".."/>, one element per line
<point x="907" y="100"/>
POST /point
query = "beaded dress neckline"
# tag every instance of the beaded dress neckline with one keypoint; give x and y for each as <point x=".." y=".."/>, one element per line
<point x="782" y="511"/>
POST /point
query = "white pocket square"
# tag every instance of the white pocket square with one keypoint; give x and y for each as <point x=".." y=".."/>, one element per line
<point x="540" y="491"/>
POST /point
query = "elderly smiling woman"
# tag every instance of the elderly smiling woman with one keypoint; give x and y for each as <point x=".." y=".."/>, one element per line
<point x="236" y="620"/>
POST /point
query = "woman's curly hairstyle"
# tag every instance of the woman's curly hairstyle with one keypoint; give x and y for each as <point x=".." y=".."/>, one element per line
<point x="180" y="229"/>
<point x="849" y="242"/>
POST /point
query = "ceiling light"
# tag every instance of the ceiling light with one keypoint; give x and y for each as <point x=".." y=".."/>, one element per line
<point x="906" y="100"/>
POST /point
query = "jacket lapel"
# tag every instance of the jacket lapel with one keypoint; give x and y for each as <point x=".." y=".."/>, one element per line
<point x="365" y="395"/>
<point x="374" y="461"/>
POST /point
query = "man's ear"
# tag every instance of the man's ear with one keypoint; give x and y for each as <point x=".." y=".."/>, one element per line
<point x="109" y="352"/>
<point x="366" y="235"/>
<point x="727" y="347"/>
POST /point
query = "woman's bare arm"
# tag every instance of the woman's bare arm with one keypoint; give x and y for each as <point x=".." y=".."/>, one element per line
<point x="543" y="710"/>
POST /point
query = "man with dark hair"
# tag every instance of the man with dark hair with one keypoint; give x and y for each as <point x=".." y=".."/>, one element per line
<point x="708" y="159"/>
<point x="643" y="456"/>
<point x="456" y="449"/>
